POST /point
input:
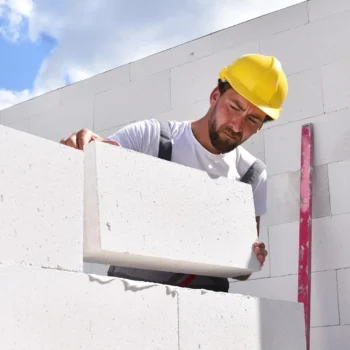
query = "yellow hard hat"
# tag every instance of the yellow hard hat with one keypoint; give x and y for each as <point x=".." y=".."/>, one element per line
<point x="259" y="79"/>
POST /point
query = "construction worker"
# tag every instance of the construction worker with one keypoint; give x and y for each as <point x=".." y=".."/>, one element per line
<point x="250" y="92"/>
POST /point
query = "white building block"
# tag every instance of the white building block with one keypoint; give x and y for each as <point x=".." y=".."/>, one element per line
<point x="118" y="106"/>
<point x="330" y="242"/>
<point x="320" y="9"/>
<point x="304" y="97"/>
<point x="328" y="37"/>
<point x="283" y="288"/>
<point x="284" y="261"/>
<point x="41" y="104"/>
<point x="21" y="125"/>
<point x="187" y="52"/>
<point x="339" y="184"/>
<point x="283" y="198"/>
<point x="286" y="139"/>
<point x="195" y="81"/>
<point x="337" y="147"/>
<point x="191" y="111"/>
<point x="58" y="310"/>
<point x="324" y="299"/>
<point x="41" y="202"/>
<point x="144" y="212"/>
<point x="87" y="88"/>
<point x="62" y="121"/>
<point x="320" y="192"/>
<point x="260" y="27"/>
<point x="216" y="321"/>
<point x="328" y="239"/>
<point x="108" y="132"/>
<point x="292" y="47"/>
<point x="328" y="338"/>
<point x="343" y="278"/>
<point x="336" y="85"/>
<point x="285" y="209"/>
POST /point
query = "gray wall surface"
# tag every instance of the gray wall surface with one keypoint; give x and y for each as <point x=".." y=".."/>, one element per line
<point x="311" y="40"/>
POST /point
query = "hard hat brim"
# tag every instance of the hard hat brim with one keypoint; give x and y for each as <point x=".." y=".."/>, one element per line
<point x="273" y="113"/>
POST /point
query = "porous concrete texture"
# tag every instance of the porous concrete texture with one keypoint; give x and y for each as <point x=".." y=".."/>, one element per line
<point x="241" y="322"/>
<point x="41" y="202"/>
<point x="310" y="39"/>
<point x="48" y="309"/>
<point x="144" y="212"/>
<point x="59" y="310"/>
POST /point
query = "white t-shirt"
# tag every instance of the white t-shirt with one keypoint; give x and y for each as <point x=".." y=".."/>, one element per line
<point x="144" y="136"/>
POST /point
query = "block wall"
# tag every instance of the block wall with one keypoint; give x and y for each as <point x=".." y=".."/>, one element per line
<point x="53" y="304"/>
<point x="311" y="41"/>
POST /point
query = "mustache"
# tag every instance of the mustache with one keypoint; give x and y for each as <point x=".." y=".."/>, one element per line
<point x="231" y="132"/>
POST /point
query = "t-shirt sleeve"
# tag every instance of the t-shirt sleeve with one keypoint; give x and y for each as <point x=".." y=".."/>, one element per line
<point x="142" y="136"/>
<point x="260" y="194"/>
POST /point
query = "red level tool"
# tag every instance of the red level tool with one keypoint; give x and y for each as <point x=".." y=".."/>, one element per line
<point x="305" y="225"/>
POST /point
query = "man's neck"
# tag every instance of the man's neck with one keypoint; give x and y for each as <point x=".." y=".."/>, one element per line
<point x="201" y="133"/>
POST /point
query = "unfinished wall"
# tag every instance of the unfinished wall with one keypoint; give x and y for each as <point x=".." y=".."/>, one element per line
<point x="311" y="41"/>
<point x="48" y="300"/>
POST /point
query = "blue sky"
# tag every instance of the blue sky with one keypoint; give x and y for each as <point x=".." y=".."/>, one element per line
<point x="45" y="44"/>
<point x="21" y="61"/>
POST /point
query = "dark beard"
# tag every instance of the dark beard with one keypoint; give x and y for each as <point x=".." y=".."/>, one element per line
<point x="223" y="145"/>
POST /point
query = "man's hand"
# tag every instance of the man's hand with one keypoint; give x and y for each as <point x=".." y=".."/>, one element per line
<point x="260" y="251"/>
<point x="79" y="139"/>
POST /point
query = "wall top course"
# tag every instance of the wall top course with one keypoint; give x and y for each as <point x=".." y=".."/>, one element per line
<point x="320" y="9"/>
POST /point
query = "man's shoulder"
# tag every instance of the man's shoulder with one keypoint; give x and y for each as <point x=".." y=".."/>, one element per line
<point x="153" y="125"/>
<point x="143" y="136"/>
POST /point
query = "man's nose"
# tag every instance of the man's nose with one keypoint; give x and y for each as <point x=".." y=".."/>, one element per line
<point x="237" y="124"/>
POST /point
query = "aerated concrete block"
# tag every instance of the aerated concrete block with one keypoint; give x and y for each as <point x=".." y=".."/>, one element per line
<point x="41" y="202"/>
<point x="144" y="212"/>
<point x="60" y="310"/>
<point x="232" y="321"/>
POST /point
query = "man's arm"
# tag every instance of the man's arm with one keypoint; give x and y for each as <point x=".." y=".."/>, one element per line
<point x="141" y="136"/>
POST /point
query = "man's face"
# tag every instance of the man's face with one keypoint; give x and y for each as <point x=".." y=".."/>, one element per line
<point x="232" y="120"/>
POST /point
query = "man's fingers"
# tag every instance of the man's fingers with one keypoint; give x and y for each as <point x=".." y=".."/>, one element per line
<point x="258" y="250"/>
<point x="261" y="259"/>
<point x="72" y="141"/>
<point x="84" y="136"/>
<point x="111" y="142"/>
<point x="259" y="244"/>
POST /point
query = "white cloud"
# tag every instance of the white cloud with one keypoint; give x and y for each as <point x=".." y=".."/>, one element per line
<point x="9" y="98"/>
<point x="13" y="12"/>
<point x="95" y="36"/>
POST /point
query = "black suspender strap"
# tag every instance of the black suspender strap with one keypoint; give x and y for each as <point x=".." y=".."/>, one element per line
<point x="253" y="172"/>
<point x="165" y="142"/>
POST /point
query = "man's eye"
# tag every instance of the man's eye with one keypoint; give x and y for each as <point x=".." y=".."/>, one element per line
<point x="235" y="108"/>
<point x="253" y="120"/>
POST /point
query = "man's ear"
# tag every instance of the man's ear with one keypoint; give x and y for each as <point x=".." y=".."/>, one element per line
<point x="214" y="96"/>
